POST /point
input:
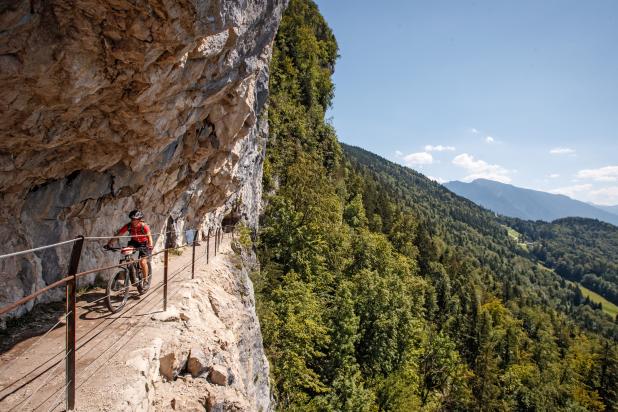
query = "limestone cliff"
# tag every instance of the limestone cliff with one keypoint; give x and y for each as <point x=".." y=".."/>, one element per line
<point x="110" y="105"/>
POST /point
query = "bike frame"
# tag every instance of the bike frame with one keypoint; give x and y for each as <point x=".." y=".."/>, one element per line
<point x="134" y="267"/>
<point x="133" y="276"/>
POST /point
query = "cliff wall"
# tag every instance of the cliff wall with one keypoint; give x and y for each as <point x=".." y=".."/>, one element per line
<point x="107" y="106"/>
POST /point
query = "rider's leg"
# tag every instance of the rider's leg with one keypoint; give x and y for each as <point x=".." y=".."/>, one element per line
<point x="143" y="262"/>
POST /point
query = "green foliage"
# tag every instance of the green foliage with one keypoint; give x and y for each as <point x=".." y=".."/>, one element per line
<point x="296" y="334"/>
<point x="244" y="236"/>
<point x="176" y="251"/>
<point x="578" y="249"/>
<point x="381" y="290"/>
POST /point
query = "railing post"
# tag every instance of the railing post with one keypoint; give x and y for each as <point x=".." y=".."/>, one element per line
<point x="71" y="323"/>
<point x="207" y="245"/>
<point x="165" y="262"/>
<point x="218" y="240"/>
<point x="195" y="233"/>
<point x="216" y="235"/>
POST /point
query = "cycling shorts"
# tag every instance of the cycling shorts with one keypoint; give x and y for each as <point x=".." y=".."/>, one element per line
<point x="144" y="251"/>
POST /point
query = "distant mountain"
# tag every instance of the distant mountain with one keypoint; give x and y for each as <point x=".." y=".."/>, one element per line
<point x="512" y="201"/>
<point x="610" y="209"/>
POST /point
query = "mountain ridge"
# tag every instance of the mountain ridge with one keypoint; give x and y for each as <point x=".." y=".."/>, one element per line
<point x="528" y="204"/>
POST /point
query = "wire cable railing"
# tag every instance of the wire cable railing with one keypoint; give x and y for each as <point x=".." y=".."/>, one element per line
<point x="69" y="241"/>
<point x="37" y="249"/>
<point x="69" y="281"/>
<point x="67" y="278"/>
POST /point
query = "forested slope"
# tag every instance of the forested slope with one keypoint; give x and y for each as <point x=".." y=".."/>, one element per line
<point x="580" y="250"/>
<point x="381" y="290"/>
<point x="474" y="232"/>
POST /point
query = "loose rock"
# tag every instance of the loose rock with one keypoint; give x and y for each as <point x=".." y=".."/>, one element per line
<point x="218" y="375"/>
<point x="173" y="360"/>
<point x="170" y="315"/>
<point x="198" y="362"/>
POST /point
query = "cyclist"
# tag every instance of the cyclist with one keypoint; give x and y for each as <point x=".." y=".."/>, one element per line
<point x="141" y="238"/>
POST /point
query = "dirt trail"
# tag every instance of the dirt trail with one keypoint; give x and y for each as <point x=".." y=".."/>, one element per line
<point x="32" y="371"/>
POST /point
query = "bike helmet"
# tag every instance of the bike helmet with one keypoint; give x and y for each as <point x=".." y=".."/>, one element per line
<point x="136" y="214"/>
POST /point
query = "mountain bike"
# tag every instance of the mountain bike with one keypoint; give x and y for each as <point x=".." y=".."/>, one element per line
<point x="118" y="286"/>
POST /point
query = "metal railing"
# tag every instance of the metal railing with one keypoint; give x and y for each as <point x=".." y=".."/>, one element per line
<point x="71" y="308"/>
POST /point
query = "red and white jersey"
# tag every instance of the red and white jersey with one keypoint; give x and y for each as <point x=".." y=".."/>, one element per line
<point x="139" y="233"/>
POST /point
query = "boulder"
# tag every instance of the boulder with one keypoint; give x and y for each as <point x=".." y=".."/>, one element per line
<point x="218" y="375"/>
<point x="173" y="360"/>
<point x="199" y="362"/>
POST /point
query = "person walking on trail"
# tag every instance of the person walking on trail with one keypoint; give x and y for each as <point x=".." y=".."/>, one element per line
<point x="141" y="238"/>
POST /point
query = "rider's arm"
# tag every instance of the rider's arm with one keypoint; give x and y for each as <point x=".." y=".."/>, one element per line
<point x="149" y="233"/>
<point x="120" y="231"/>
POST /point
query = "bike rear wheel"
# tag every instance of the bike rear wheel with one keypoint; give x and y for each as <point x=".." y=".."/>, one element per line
<point x="118" y="290"/>
<point x="143" y="284"/>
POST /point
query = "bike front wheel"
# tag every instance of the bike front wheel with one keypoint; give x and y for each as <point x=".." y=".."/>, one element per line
<point x="117" y="290"/>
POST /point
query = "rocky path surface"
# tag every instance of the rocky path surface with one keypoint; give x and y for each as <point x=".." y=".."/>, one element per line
<point x="203" y="353"/>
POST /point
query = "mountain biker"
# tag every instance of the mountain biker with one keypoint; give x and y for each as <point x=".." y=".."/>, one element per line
<point x="141" y="238"/>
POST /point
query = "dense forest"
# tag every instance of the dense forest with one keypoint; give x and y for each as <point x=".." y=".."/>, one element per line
<point x="578" y="249"/>
<point x="381" y="290"/>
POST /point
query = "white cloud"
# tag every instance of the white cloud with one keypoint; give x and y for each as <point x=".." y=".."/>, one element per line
<point x="489" y="139"/>
<point x="480" y="169"/>
<point x="607" y="196"/>
<point x="420" y="158"/>
<point x="603" y="174"/>
<point x="585" y="192"/>
<point x="398" y="153"/>
<point x="562" y="151"/>
<point x="553" y="176"/>
<point x="437" y="179"/>
<point x="439" y="148"/>
<point x="473" y="130"/>
<point x="572" y="191"/>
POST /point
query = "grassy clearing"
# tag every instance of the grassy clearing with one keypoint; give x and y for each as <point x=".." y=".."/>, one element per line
<point x="515" y="235"/>
<point x="608" y="307"/>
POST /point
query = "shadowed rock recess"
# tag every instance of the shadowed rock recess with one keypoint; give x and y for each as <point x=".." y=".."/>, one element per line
<point x="106" y="106"/>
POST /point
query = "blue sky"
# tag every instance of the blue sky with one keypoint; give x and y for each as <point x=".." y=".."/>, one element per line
<point x="524" y="92"/>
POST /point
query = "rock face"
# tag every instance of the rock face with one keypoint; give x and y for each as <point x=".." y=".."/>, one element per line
<point x="212" y="360"/>
<point x="107" y="106"/>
